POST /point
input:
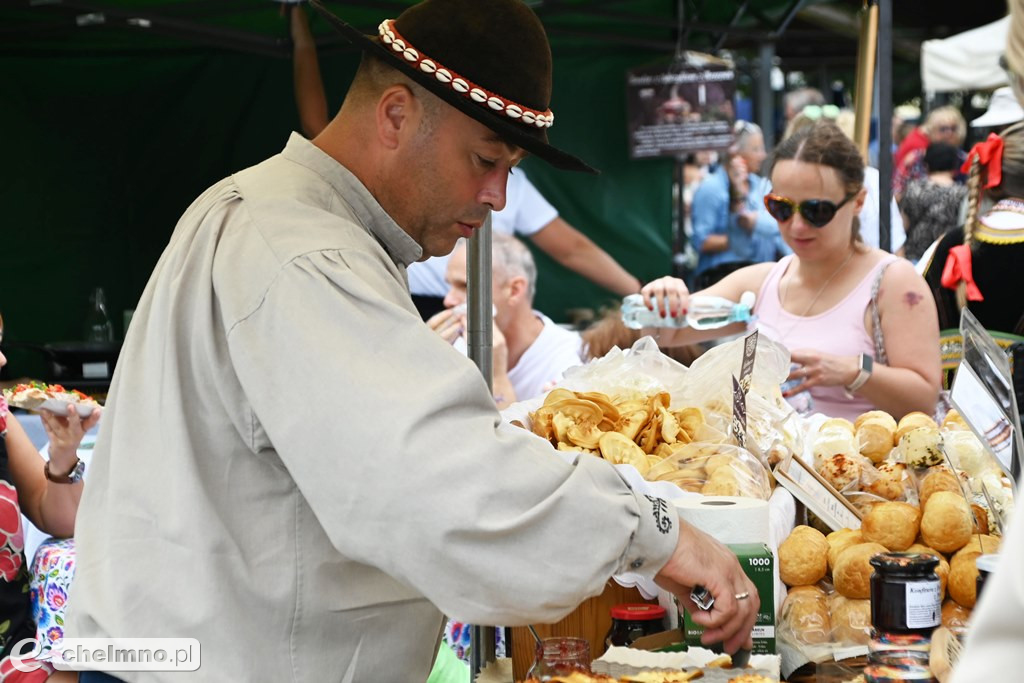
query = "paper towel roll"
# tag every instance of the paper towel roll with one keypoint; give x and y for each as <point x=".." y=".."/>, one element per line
<point x="729" y="519"/>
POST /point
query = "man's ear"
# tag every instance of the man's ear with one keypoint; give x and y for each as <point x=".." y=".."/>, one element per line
<point x="397" y="110"/>
<point x="517" y="288"/>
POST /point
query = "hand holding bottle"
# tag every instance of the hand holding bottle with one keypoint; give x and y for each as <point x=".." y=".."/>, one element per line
<point x="667" y="296"/>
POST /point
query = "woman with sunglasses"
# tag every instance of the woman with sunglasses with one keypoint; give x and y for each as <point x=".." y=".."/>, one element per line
<point x="860" y="323"/>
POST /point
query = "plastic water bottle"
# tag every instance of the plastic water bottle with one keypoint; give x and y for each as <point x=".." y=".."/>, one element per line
<point x="705" y="313"/>
<point x="98" y="327"/>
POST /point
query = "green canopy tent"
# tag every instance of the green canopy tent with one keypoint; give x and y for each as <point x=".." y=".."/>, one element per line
<point x="118" y="113"/>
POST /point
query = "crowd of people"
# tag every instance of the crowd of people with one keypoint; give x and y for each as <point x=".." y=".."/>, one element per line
<point x="335" y="274"/>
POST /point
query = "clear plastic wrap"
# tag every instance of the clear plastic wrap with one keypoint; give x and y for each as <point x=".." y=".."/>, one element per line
<point x="774" y="430"/>
<point x="714" y="469"/>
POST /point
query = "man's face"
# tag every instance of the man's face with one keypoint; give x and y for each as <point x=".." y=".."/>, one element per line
<point x="458" y="279"/>
<point x="450" y="178"/>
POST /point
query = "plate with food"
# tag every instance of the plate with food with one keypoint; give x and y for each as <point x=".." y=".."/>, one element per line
<point x="51" y="397"/>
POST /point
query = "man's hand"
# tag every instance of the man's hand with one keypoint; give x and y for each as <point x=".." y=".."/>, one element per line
<point x="449" y="323"/>
<point x="700" y="560"/>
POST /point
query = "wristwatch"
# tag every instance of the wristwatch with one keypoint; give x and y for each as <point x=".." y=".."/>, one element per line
<point x="863" y="375"/>
<point x="72" y="477"/>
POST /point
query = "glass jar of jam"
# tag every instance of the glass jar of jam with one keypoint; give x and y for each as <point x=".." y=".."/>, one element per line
<point x="634" y="620"/>
<point x="560" y="656"/>
<point x="905" y="609"/>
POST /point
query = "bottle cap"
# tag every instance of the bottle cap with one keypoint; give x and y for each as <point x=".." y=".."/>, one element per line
<point x="638" y="612"/>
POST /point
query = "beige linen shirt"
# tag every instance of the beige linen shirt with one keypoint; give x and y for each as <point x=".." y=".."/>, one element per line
<point x="293" y="469"/>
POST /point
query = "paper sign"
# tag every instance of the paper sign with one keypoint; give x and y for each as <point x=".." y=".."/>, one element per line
<point x="816" y="494"/>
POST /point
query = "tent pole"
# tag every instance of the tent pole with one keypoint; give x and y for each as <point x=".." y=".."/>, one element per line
<point x="765" y="95"/>
<point x="884" y="124"/>
<point x="866" y="75"/>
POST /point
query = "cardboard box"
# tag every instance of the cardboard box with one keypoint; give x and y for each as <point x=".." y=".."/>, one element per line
<point x="758" y="562"/>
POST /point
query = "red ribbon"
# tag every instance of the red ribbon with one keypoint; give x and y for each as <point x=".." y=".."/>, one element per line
<point x="990" y="155"/>
<point x="959" y="269"/>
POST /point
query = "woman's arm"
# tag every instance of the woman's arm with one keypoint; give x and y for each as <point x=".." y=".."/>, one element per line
<point x="51" y="507"/>
<point x="670" y="296"/>
<point x="910" y="327"/>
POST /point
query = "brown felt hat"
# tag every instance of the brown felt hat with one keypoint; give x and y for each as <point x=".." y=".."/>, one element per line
<point x="490" y="59"/>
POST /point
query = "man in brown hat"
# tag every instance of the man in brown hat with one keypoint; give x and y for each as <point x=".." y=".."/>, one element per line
<point x="299" y="473"/>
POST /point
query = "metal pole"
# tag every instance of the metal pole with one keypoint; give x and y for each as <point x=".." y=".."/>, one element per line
<point x="884" y="124"/>
<point x="480" y="342"/>
<point x="480" y="303"/>
<point x="765" y="95"/>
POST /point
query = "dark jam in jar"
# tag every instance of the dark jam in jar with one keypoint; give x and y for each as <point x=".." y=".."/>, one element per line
<point x="905" y="595"/>
<point x="634" y="620"/>
<point x="905" y="609"/>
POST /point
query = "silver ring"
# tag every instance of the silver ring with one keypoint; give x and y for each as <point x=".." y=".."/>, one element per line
<point x="742" y="596"/>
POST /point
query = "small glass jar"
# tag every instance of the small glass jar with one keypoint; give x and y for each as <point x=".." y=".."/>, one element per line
<point x="559" y="657"/>
<point x="905" y="609"/>
<point x="634" y="620"/>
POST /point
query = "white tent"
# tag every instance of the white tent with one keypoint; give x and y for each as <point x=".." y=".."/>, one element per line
<point x="966" y="61"/>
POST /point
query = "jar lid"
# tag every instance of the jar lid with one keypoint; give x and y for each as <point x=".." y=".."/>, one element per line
<point x="905" y="562"/>
<point x="638" y="612"/>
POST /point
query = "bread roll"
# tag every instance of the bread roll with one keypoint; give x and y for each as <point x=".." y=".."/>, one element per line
<point x="805" y="613"/>
<point x="938" y="479"/>
<point x="914" y="420"/>
<point x="980" y="518"/>
<point x="840" y="540"/>
<point x="919" y="447"/>
<point x="803" y="557"/>
<point x="954" y="615"/>
<point x="875" y="440"/>
<point x="947" y="523"/>
<point x="841" y="471"/>
<point x="851" y="621"/>
<point x="893" y="525"/>
<point x="963" y="578"/>
<point x="836" y="424"/>
<point x="828" y="444"/>
<point x="983" y="543"/>
<point x="852" y="574"/>
<point x="954" y="422"/>
<point x="889" y="484"/>
<point x="942" y="570"/>
<point x="876" y="416"/>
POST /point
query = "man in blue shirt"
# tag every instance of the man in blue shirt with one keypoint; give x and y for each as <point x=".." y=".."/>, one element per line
<point x="731" y="227"/>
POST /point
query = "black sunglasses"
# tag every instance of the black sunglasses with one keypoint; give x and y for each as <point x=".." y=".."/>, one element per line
<point x="817" y="212"/>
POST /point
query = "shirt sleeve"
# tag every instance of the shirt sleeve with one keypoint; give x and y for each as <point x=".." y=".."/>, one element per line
<point x="393" y="440"/>
<point x="526" y="210"/>
<point x="710" y="206"/>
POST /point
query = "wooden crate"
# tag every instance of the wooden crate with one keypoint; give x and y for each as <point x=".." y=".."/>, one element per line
<point x="591" y="620"/>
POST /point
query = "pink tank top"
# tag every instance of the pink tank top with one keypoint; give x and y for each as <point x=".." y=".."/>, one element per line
<point x="838" y="331"/>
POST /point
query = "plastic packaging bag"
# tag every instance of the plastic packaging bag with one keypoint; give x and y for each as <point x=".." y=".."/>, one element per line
<point x="712" y="469"/>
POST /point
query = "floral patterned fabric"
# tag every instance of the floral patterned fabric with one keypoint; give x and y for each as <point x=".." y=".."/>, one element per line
<point x="15" y="610"/>
<point x="52" y="570"/>
<point x="457" y="637"/>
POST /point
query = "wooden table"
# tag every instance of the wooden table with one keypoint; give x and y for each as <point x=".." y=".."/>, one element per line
<point x="591" y="620"/>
